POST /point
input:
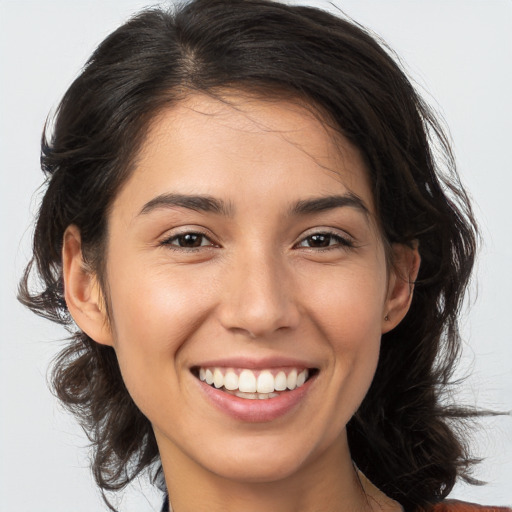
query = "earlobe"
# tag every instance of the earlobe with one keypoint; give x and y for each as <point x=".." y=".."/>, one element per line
<point x="82" y="291"/>
<point x="406" y="265"/>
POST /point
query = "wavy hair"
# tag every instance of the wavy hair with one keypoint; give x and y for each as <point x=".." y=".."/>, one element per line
<point x="406" y="437"/>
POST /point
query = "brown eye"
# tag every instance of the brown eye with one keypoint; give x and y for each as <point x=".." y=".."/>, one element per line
<point x="321" y="240"/>
<point x="188" y="241"/>
<point x="324" y="241"/>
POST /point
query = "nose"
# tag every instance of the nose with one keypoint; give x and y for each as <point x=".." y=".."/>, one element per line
<point x="258" y="297"/>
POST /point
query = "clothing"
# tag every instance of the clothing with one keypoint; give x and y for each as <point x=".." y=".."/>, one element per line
<point x="445" y="506"/>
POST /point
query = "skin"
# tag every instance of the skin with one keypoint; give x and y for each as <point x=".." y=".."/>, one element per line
<point x="257" y="286"/>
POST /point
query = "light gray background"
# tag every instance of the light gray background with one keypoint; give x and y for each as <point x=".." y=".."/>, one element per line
<point x="460" y="51"/>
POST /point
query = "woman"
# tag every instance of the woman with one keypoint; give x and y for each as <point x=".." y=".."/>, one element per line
<point x="245" y="221"/>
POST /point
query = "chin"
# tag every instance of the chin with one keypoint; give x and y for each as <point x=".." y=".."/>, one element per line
<point x="260" y="459"/>
<point x="257" y="468"/>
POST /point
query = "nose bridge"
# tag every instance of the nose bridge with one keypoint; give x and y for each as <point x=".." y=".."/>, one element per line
<point x="259" y="297"/>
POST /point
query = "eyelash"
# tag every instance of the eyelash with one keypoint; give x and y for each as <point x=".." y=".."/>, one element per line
<point x="340" y="242"/>
<point x="168" y="242"/>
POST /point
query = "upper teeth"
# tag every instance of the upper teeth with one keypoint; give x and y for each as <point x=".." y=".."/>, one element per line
<point x="248" y="381"/>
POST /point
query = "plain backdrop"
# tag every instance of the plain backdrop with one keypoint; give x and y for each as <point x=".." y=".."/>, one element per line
<point x="459" y="53"/>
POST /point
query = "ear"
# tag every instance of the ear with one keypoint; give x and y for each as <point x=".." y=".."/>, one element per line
<point x="82" y="291"/>
<point x="403" y="274"/>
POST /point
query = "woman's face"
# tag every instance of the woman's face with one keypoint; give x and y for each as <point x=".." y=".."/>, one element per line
<point x="244" y="249"/>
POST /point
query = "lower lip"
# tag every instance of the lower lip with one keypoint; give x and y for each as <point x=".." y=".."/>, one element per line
<point x="255" y="411"/>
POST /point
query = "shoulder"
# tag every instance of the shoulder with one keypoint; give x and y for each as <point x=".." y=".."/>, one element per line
<point x="462" y="506"/>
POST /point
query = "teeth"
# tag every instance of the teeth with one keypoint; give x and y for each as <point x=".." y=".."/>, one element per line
<point x="247" y="382"/>
<point x="265" y="382"/>
<point x="255" y="396"/>
<point x="248" y="385"/>
<point x="250" y="396"/>
<point x="231" y="380"/>
<point x="280" y="381"/>
<point x="218" y="378"/>
<point x="264" y="396"/>
<point x="301" y="378"/>
<point x="291" y="380"/>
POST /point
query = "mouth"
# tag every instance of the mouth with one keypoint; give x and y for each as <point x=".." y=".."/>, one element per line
<point x="252" y="384"/>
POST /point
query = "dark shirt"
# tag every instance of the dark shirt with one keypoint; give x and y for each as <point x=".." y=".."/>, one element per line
<point x="445" y="506"/>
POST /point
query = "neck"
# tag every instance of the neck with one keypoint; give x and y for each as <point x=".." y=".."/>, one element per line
<point x="330" y="483"/>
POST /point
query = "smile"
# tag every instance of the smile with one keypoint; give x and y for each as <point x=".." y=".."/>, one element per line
<point x="254" y="384"/>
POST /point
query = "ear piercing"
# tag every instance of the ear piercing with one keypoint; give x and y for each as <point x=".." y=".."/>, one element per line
<point x="386" y="318"/>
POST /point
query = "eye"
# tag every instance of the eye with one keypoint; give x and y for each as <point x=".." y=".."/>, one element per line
<point x="325" y="241"/>
<point x="189" y="240"/>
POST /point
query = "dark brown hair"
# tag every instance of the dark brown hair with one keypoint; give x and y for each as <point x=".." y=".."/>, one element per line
<point x="405" y="437"/>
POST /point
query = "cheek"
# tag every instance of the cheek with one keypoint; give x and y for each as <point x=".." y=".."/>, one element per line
<point x="348" y="310"/>
<point x="348" y="303"/>
<point x="157" y="306"/>
<point x="153" y="315"/>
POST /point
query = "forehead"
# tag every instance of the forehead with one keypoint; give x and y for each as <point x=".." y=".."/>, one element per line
<point x="246" y="116"/>
<point x="208" y="144"/>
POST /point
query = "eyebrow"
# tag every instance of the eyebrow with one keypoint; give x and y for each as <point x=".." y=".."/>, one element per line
<point x="209" y="204"/>
<point x="201" y="203"/>
<point x="321" y="204"/>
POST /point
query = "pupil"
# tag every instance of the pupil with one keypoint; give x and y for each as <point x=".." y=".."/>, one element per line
<point x="319" y="240"/>
<point x="190" y="240"/>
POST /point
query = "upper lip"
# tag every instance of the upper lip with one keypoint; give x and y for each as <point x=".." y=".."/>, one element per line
<point x="254" y="363"/>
